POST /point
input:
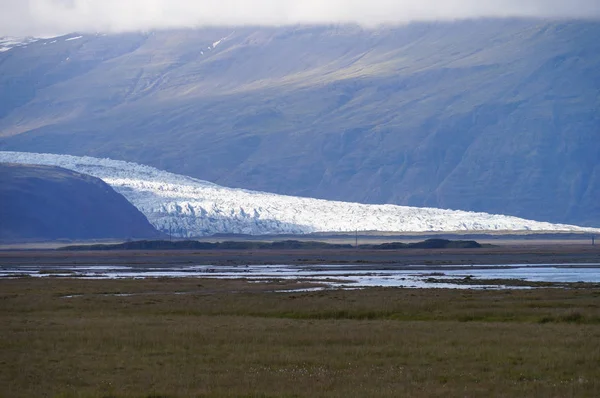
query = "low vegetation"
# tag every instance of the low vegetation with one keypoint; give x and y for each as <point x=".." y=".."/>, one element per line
<point x="191" y="337"/>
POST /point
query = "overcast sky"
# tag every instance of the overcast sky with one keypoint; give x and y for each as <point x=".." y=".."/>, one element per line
<point x="47" y="17"/>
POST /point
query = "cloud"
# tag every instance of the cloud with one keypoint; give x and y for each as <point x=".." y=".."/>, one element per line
<point x="35" y="17"/>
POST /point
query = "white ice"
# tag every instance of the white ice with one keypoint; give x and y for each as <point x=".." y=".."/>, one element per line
<point x="8" y="43"/>
<point x="188" y="207"/>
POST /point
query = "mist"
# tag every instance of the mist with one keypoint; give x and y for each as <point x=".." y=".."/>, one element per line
<point x="53" y="17"/>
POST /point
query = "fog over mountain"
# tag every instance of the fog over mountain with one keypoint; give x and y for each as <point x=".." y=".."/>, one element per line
<point x="493" y="115"/>
<point x="43" y="17"/>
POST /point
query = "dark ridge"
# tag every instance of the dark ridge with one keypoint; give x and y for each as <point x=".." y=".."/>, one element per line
<point x="427" y="244"/>
<point x="52" y="203"/>
<point x="283" y="245"/>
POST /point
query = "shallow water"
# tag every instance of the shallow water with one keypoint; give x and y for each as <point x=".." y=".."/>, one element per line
<point x="332" y="276"/>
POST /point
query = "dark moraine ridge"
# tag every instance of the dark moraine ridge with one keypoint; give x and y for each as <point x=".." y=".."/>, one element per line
<point x="48" y="203"/>
<point x="283" y="245"/>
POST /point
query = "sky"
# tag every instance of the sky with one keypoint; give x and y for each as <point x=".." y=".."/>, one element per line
<point x="53" y="17"/>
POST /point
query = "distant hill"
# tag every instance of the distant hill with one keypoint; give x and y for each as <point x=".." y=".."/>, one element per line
<point x="49" y="203"/>
<point x="499" y="115"/>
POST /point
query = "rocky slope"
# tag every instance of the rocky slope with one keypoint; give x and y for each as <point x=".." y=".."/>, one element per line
<point x="500" y="116"/>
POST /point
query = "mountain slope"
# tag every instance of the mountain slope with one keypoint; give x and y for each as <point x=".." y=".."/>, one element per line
<point x="48" y="203"/>
<point x="188" y="207"/>
<point x="499" y="116"/>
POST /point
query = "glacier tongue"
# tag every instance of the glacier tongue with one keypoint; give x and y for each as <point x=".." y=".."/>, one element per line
<point x="187" y="207"/>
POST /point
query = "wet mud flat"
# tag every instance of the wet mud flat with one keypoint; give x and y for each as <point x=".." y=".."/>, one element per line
<point x="483" y="268"/>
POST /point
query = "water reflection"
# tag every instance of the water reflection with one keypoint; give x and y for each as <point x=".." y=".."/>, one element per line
<point x="335" y="276"/>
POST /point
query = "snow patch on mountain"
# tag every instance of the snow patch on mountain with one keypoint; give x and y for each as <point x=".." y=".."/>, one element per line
<point x="8" y="43"/>
<point x="215" y="44"/>
<point x="188" y="207"/>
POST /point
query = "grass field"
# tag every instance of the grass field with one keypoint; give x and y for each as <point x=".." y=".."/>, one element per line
<point x="192" y="337"/>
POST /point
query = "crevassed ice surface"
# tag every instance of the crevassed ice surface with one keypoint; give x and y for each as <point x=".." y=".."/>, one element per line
<point x="188" y="207"/>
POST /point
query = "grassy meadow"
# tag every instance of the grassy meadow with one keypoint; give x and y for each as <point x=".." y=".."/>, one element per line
<point x="195" y="338"/>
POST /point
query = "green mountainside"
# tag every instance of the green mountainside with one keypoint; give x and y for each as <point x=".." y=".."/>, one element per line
<point x="501" y="116"/>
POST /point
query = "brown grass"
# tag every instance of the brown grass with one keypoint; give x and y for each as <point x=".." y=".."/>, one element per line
<point x="232" y="338"/>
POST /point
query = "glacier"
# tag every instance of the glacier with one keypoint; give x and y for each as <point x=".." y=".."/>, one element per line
<point x="186" y="207"/>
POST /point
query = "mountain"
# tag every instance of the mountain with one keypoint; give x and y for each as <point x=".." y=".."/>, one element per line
<point x="187" y="207"/>
<point x="49" y="203"/>
<point x="498" y="115"/>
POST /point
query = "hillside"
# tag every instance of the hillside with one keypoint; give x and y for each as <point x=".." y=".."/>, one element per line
<point x="186" y="207"/>
<point x="49" y="203"/>
<point x="499" y="116"/>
